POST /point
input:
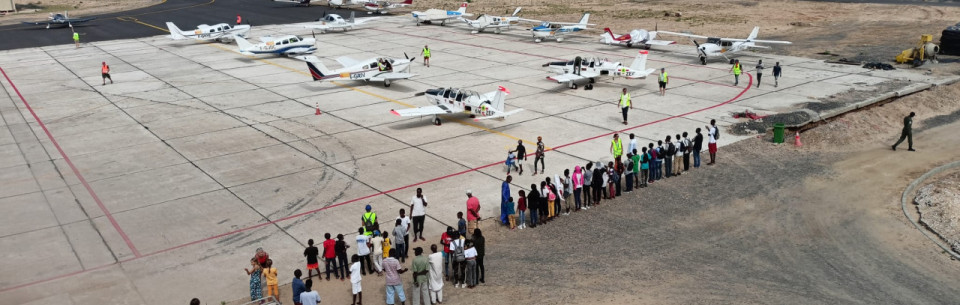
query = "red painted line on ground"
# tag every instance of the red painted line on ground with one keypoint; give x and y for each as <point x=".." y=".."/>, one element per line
<point x="301" y="214"/>
<point x="74" y="168"/>
<point x="705" y="82"/>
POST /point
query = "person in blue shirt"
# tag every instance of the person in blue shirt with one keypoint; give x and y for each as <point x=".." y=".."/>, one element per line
<point x="298" y="286"/>
<point x="504" y="198"/>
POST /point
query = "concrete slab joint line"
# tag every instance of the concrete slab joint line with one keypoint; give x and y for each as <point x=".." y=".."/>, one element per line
<point x="908" y="196"/>
<point x="126" y="239"/>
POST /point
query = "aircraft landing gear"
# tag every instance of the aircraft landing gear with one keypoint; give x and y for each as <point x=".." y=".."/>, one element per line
<point x="496" y="31"/>
<point x="559" y="39"/>
<point x="573" y="85"/>
<point x="386" y="83"/>
<point x="436" y="121"/>
<point x="443" y="23"/>
<point x="629" y="45"/>
<point x="646" y="47"/>
<point x="703" y="60"/>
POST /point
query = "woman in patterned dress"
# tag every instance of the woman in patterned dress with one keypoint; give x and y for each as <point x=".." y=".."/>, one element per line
<point x="256" y="292"/>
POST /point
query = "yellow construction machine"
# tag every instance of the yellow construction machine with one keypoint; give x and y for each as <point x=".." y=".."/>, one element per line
<point x="925" y="50"/>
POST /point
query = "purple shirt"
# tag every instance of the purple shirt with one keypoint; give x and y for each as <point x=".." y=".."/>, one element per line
<point x="390" y="268"/>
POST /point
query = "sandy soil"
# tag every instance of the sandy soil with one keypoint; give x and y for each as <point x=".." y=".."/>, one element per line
<point x="939" y="205"/>
<point x="40" y="9"/>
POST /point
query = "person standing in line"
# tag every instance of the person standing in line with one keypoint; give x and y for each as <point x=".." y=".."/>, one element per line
<point x="398" y="241"/>
<point x="511" y="214"/>
<point x="273" y="284"/>
<point x="539" y="156"/>
<point x="255" y="272"/>
<point x="377" y="254"/>
<point x="624" y="104"/>
<point x="697" y="147"/>
<point x="678" y="156"/>
<point x="558" y="188"/>
<point x="309" y="296"/>
<point x="669" y="151"/>
<point x="522" y="209"/>
<point x="445" y="239"/>
<point x="394" y="285"/>
<point x="105" y="73"/>
<point x="76" y="38"/>
<point x="312" y="254"/>
<point x="577" y="180"/>
<point x="369" y="221"/>
<point x="436" y="275"/>
<point x="662" y="80"/>
<point x="470" y="256"/>
<point x="661" y="156"/>
<point x="907" y="132"/>
<point x="533" y="202"/>
<point x="713" y="134"/>
<point x="635" y="158"/>
<point x="363" y="250"/>
<point x="504" y="198"/>
<point x="628" y="174"/>
<point x="457" y="246"/>
<point x="616" y="147"/>
<point x="406" y="237"/>
<point x="418" y="209"/>
<point x="521" y="156"/>
<point x="387" y="242"/>
<point x="421" y="278"/>
<point x="587" y="181"/>
<point x="759" y="71"/>
<point x="687" y="148"/>
<point x="653" y="163"/>
<point x="736" y="69"/>
<point x="426" y="55"/>
<point x="297" y="286"/>
<point x="473" y="211"/>
<point x="356" y="276"/>
<point x="599" y="183"/>
<point x="461" y="224"/>
<point x="330" y="256"/>
<point x="644" y="167"/>
<point x="776" y="74"/>
<point x="632" y="146"/>
<point x="341" y="249"/>
<point x="567" y="184"/>
<point x="480" y="243"/>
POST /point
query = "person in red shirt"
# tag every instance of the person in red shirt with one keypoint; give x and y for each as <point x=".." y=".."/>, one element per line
<point x="473" y="211"/>
<point x="261" y="257"/>
<point x="445" y="239"/>
<point x="522" y="210"/>
<point x="329" y="256"/>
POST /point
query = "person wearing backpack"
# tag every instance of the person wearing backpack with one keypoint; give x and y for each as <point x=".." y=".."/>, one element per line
<point x="628" y="173"/>
<point x="644" y="167"/>
<point x="697" y="147"/>
<point x="369" y="222"/>
<point x="653" y="163"/>
<point x="687" y="148"/>
<point x="457" y="246"/>
<point x="668" y="157"/>
<point x="678" y="156"/>
<point x="713" y="134"/>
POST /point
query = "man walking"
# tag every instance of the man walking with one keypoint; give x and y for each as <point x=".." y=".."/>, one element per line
<point x="624" y="104"/>
<point x="105" y="74"/>
<point x="907" y="132"/>
<point x="736" y="69"/>
<point x="759" y="71"/>
<point x="697" y="147"/>
<point x="663" y="81"/>
<point x="521" y="156"/>
<point x="539" y="156"/>
<point x="473" y="211"/>
<point x="776" y="74"/>
<point x="616" y="148"/>
<point x="712" y="134"/>
<point x="426" y="55"/>
<point x="421" y="278"/>
<point x="418" y="209"/>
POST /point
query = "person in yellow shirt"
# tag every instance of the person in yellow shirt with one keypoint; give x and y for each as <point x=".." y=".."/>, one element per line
<point x="386" y="245"/>
<point x="270" y="274"/>
<point x="736" y="69"/>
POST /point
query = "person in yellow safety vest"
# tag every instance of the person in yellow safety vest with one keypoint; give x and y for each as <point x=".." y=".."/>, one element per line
<point x="369" y="222"/>
<point x="426" y="55"/>
<point x="105" y="73"/>
<point x="663" y="81"/>
<point x="625" y="104"/>
<point x="76" y="39"/>
<point x="616" y="147"/>
<point x="380" y="64"/>
<point x="737" y="69"/>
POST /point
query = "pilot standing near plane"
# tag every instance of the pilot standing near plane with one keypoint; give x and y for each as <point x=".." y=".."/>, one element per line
<point x="426" y="55"/>
<point x="577" y="62"/>
<point x="105" y="73"/>
<point x="625" y="104"/>
<point x="663" y="81"/>
<point x="736" y="69"/>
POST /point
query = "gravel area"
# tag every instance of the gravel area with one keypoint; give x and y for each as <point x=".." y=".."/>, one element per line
<point x="854" y="96"/>
<point x="939" y="206"/>
<point x="762" y="125"/>
<point x="940" y="120"/>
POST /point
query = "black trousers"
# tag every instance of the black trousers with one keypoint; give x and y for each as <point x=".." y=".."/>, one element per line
<point x="905" y="135"/>
<point x="365" y="261"/>
<point x="597" y="192"/>
<point x="480" y="270"/>
<point x="686" y="162"/>
<point x="542" y="166"/>
<point x="331" y="265"/>
<point x="418" y="226"/>
<point x="624" y="110"/>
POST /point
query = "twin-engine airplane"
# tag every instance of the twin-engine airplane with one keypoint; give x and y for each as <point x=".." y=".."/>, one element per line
<point x="452" y="100"/>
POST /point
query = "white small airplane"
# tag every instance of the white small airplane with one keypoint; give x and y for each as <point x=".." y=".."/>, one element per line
<point x="297" y="2"/>
<point x="722" y="46"/>
<point x="453" y="100"/>
<point x="636" y="37"/>
<point x="383" y="7"/>
<point x="378" y="69"/>
<point x="334" y="22"/>
<point x="557" y="30"/>
<point x="221" y="32"/>
<point x="497" y="23"/>
<point x="288" y="45"/>
<point x="592" y="68"/>
<point x="437" y="15"/>
<point x="60" y="19"/>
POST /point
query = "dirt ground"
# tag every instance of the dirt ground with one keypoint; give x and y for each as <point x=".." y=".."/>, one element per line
<point x="939" y="205"/>
<point x="40" y="9"/>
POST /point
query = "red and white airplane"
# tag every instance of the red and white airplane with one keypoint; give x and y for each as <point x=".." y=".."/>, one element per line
<point x="636" y="37"/>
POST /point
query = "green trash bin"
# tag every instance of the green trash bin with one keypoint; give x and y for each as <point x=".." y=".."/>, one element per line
<point x="778" y="132"/>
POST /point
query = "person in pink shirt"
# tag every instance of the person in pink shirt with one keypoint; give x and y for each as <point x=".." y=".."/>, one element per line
<point x="577" y="185"/>
<point x="473" y="211"/>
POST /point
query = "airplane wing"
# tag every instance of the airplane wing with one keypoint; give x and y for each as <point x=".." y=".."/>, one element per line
<point x="37" y="23"/>
<point x="313" y="26"/>
<point x="569" y="77"/>
<point x="530" y="20"/>
<point x="498" y="115"/>
<point x="299" y="50"/>
<point x="683" y="34"/>
<point x="80" y="20"/>
<point x="391" y="76"/>
<point x="424" y="111"/>
<point x="347" y="61"/>
<point x="659" y="42"/>
<point x="360" y="21"/>
<point x="772" y="41"/>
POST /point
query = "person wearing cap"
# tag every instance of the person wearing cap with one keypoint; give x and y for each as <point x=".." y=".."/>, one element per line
<point x="473" y="211"/>
<point x="369" y="221"/>
<point x="538" y="156"/>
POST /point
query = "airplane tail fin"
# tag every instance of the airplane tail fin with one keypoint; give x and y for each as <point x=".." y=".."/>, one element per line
<point x="516" y="12"/>
<point x="584" y="19"/>
<point x="242" y="43"/>
<point x="463" y="8"/>
<point x="753" y="34"/>
<point x="608" y="36"/>
<point x="317" y="72"/>
<point x="175" y="32"/>
<point x="498" y="98"/>
<point x="640" y="62"/>
<point x="352" y="17"/>
<point x="407" y="2"/>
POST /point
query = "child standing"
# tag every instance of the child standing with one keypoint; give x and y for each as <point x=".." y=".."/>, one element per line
<point x="522" y="208"/>
<point x="355" y="276"/>
<point x="386" y="248"/>
<point x="341" y="250"/>
<point x="312" y="254"/>
<point x="255" y="273"/>
<point x="273" y="285"/>
<point x="511" y="214"/>
<point x="377" y="242"/>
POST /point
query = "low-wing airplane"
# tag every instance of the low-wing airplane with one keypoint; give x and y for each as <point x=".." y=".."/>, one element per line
<point x="722" y="46"/>
<point x="218" y="32"/>
<point x="334" y="21"/>
<point x="557" y="30"/>
<point x="285" y="45"/>
<point x="636" y="37"/>
<point x="383" y="7"/>
<point x="437" y="15"/>
<point x="60" y="19"/>
<point x="593" y="68"/>
<point x="378" y="69"/>
<point x="496" y="23"/>
<point x="297" y="2"/>
<point x="452" y="100"/>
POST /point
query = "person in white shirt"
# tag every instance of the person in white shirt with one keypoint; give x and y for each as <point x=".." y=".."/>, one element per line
<point x="377" y="254"/>
<point x="712" y="142"/>
<point x="436" y="275"/>
<point x="418" y="211"/>
<point x="363" y="251"/>
<point x="356" y="274"/>
<point x="633" y="144"/>
<point x="471" y="254"/>
<point x="308" y="296"/>
<point x="405" y="222"/>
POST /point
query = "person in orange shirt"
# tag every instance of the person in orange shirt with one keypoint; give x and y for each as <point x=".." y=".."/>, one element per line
<point x="105" y="73"/>
<point x="270" y="274"/>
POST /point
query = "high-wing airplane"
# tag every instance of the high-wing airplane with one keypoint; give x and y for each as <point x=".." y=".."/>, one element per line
<point x="378" y="69"/>
<point x="722" y="46"/>
<point x="383" y="7"/>
<point x="60" y="19"/>
<point x="452" y="100"/>
<point x="557" y="30"/>
<point x="333" y="22"/>
<point x="592" y="68"/>
<point x="636" y="37"/>
<point x="218" y="32"/>
<point x="285" y="45"/>
<point x="496" y="23"/>
<point x="297" y="2"/>
<point x="437" y="15"/>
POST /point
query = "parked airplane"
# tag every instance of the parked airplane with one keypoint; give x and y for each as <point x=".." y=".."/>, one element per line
<point x="437" y="15"/>
<point x="497" y="23"/>
<point x="557" y="30"/>
<point x="378" y="69"/>
<point x="453" y="100"/>
<point x="218" y="32"/>
<point x="285" y="45"/>
<point x="334" y="21"/>
<point x="383" y="7"/>
<point x="60" y="19"/>
<point x="593" y="68"/>
<point x="297" y="2"/>
<point x="722" y="46"/>
<point x="636" y="37"/>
